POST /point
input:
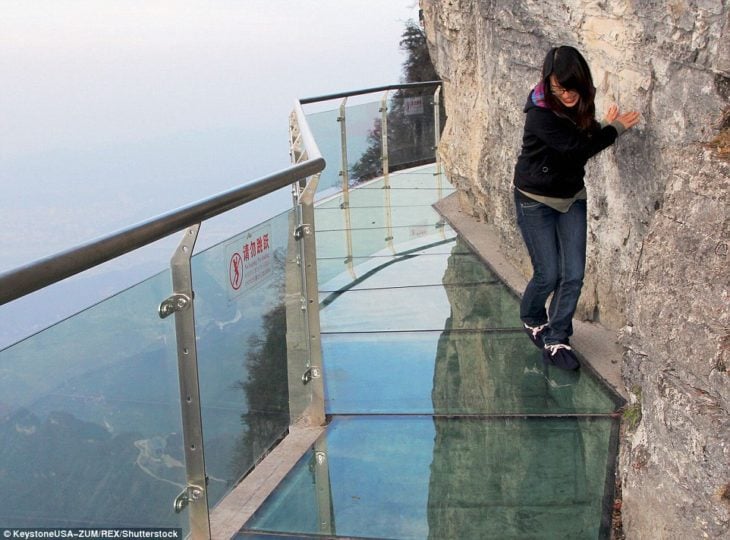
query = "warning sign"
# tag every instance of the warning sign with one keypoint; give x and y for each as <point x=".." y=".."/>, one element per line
<point x="235" y="272"/>
<point x="249" y="260"/>
<point x="413" y="106"/>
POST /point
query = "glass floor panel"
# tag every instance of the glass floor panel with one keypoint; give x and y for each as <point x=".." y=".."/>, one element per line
<point x="444" y="422"/>
<point x="338" y="273"/>
<point x="486" y="305"/>
<point x="335" y="273"/>
<point x="412" y="270"/>
<point x="447" y="478"/>
<point x="455" y="373"/>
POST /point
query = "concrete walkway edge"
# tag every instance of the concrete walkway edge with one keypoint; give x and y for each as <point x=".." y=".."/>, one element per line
<point x="238" y="506"/>
<point x="595" y="344"/>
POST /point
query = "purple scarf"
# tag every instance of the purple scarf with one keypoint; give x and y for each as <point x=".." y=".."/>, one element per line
<point x="538" y="96"/>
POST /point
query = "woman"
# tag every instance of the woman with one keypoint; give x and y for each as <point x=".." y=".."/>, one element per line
<point x="561" y="134"/>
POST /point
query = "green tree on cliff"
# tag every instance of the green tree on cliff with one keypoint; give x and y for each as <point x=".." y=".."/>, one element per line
<point x="410" y="114"/>
<point x="417" y="66"/>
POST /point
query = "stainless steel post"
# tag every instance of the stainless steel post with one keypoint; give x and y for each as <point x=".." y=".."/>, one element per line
<point x="344" y="173"/>
<point x="386" y="171"/>
<point x="195" y="495"/>
<point x="308" y="256"/>
<point x="437" y="135"/>
<point x="308" y="406"/>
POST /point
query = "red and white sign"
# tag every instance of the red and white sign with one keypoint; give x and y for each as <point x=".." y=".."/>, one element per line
<point x="235" y="271"/>
<point x="413" y="105"/>
<point x="249" y="260"/>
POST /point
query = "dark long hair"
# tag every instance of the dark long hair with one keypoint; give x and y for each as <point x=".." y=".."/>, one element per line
<point x="572" y="73"/>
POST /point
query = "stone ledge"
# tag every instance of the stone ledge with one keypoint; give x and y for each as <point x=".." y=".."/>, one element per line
<point x="596" y="344"/>
<point x="236" y="508"/>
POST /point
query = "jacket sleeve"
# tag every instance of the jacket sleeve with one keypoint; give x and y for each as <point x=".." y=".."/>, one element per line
<point x="562" y="136"/>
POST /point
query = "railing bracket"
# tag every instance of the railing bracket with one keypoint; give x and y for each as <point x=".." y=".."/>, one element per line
<point x="177" y="302"/>
<point x="300" y="231"/>
<point x="311" y="373"/>
<point x="189" y="494"/>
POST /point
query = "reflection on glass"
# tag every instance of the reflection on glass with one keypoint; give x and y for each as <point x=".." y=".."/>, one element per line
<point x="331" y="271"/>
<point x="418" y="308"/>
<point x="364" y="144"/>
<point x="90" y="418"/>
<point x="411" y="131"/>
<point x="518" y="478"/>
<point x="451" y="373"/>
<point x="423" y="477"/>
<point x="242" y="350"/>
<point x="425" y="267"/>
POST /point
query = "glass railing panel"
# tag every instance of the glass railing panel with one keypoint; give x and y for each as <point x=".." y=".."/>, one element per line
<point x="241" y="322"/>
<point x="418" y="177"/>
<point x="373" y="198"/>
<point x="90" y="418"/>
<point x="364" y="142"/>
<point x="411" y="135"/>
<point x="490" y="306"/>
<point x="378" y="241"/>
<point x="452" y="373"/>
<point x="375" y="217"/>
<point x="425" y="477"/>
<point x="326" y="131"/>
<point x="422" y="188"/>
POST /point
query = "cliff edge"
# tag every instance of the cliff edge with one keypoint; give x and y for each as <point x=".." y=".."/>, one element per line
<point x="659" y="225"/>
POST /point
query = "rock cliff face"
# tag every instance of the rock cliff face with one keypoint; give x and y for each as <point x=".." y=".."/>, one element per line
<point x="658" y="214"/>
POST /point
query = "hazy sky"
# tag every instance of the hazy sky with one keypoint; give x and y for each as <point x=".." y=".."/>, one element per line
<point x="106" y="99"/>
<point x="114" y="111"/>
<point x="86" y="72"/>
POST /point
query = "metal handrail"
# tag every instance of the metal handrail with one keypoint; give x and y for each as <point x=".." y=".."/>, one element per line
<point x="52" y="269"/>
<point x="351" y="93"/>
<point x="38" y="274"/>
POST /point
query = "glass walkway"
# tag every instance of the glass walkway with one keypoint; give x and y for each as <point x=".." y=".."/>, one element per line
<point x="444" y="423"/>
<point x="440" y="420"/>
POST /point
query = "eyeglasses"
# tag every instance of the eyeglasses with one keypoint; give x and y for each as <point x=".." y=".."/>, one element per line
<point x="559" y="91"/>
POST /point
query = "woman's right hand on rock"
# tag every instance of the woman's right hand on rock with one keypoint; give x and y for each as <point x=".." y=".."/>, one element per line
<point x="629" y="119"/>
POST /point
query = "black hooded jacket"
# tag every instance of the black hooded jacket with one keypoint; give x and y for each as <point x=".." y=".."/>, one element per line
<point x="554" y="152"/>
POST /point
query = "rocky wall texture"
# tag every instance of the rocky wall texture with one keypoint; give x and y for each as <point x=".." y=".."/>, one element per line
<point x="659" y="225"/>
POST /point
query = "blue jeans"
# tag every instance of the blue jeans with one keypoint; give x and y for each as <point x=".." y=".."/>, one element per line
<point x="556" y="243"/>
